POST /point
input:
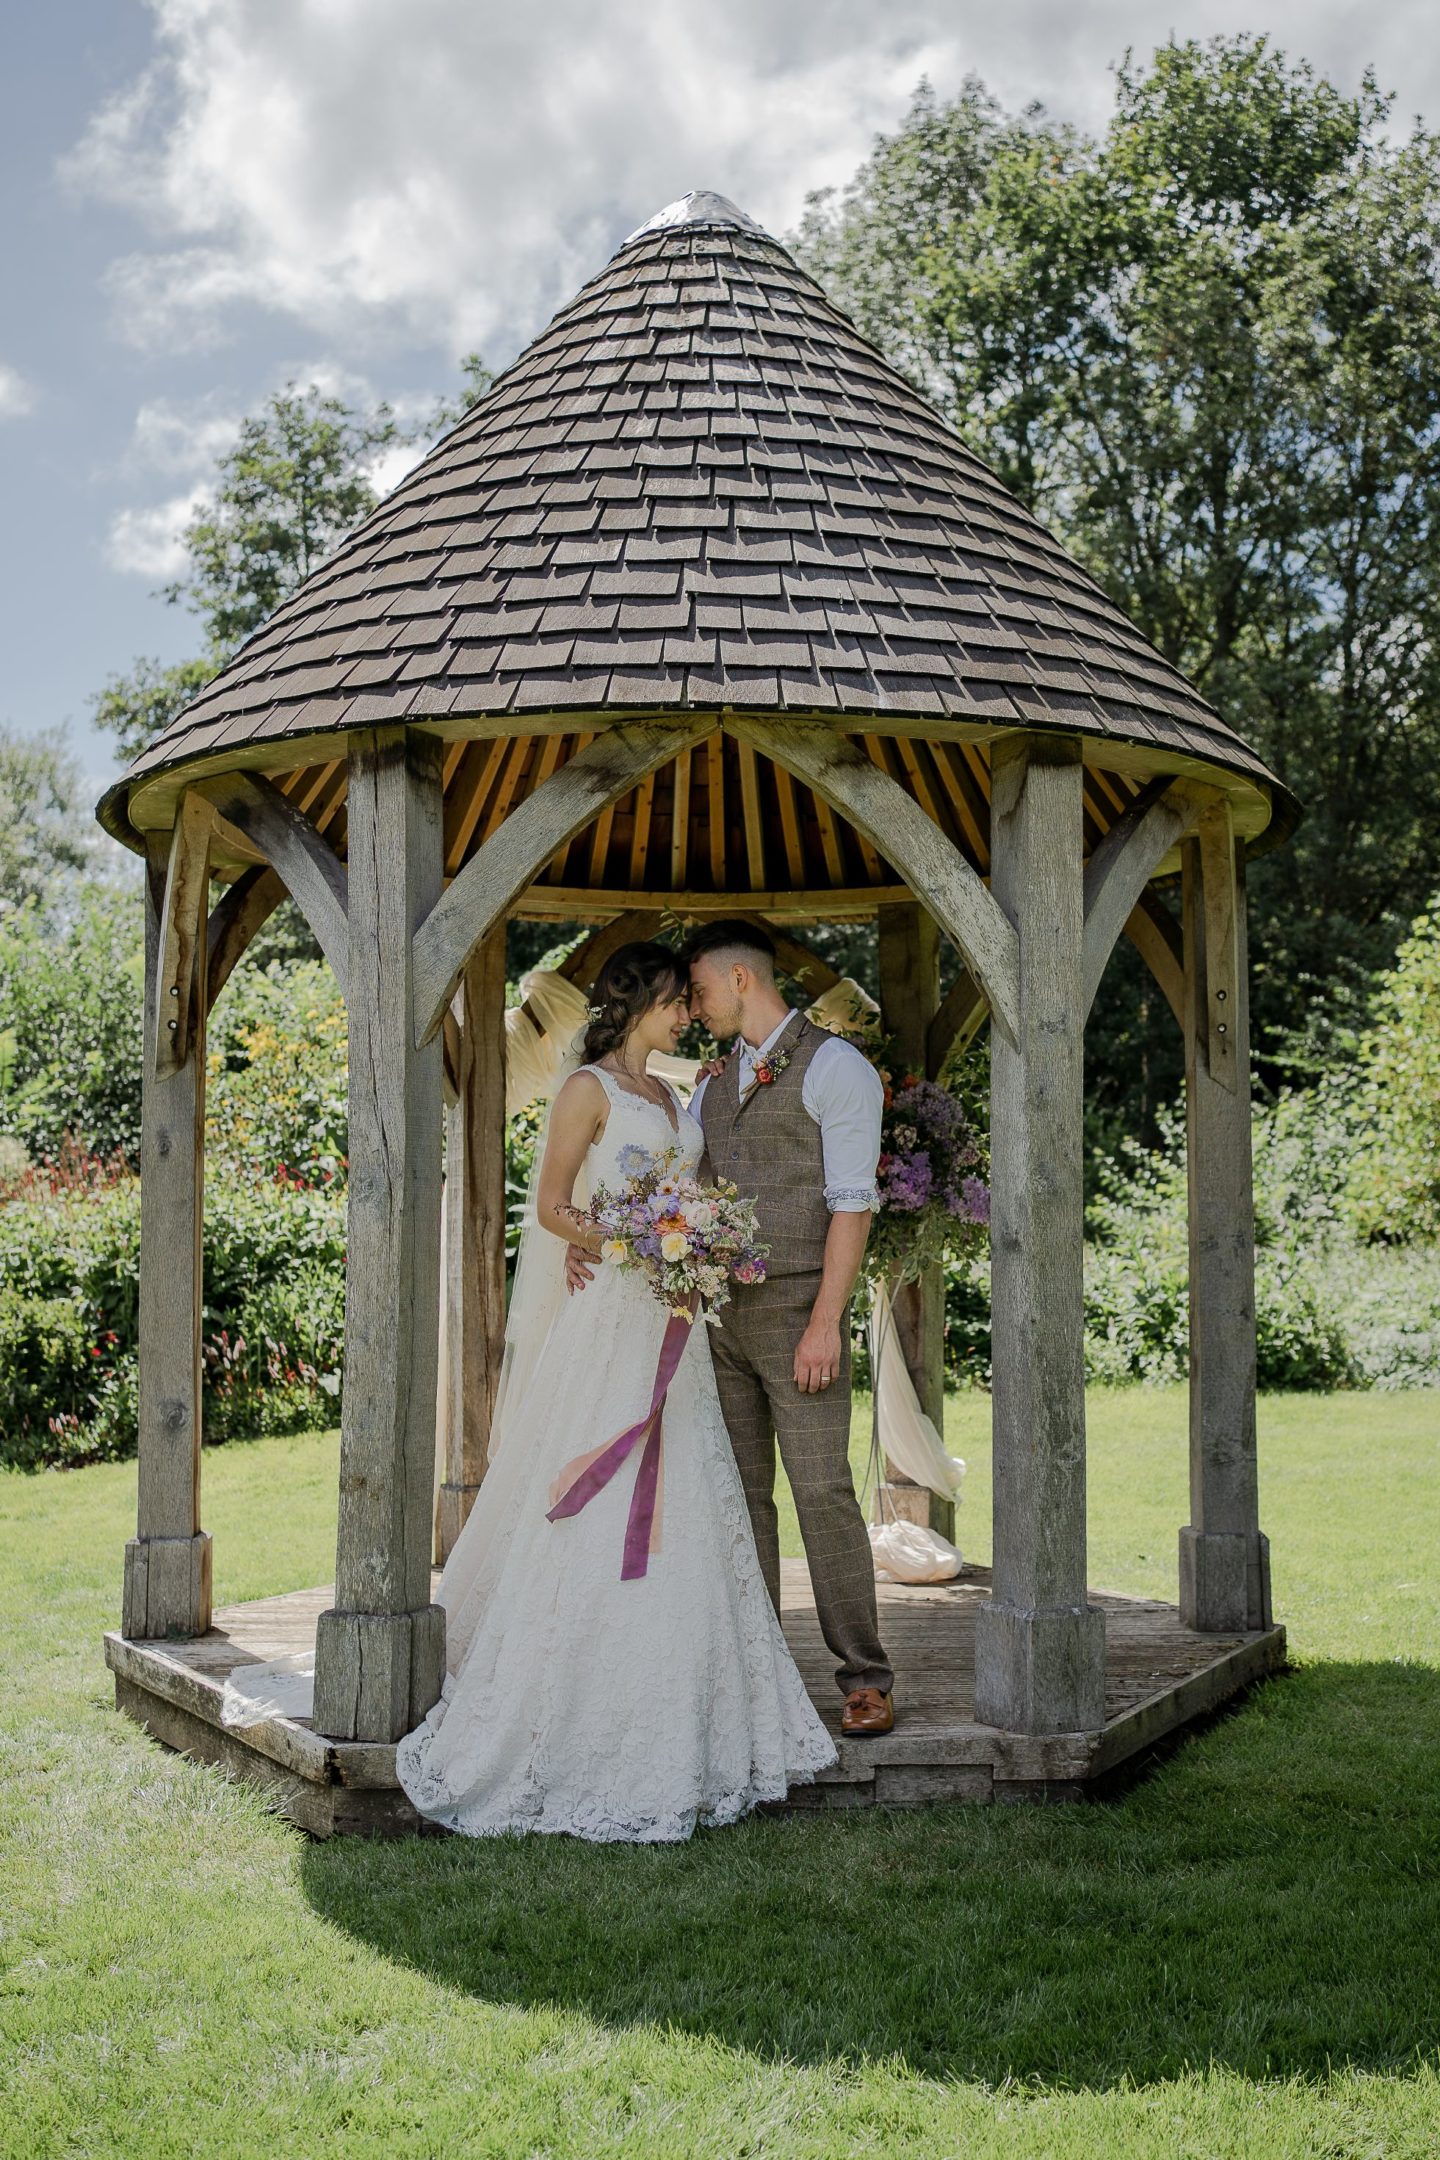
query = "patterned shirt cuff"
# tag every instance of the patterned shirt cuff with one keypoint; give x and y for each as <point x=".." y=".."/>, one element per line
<point x="852" y="1199"/>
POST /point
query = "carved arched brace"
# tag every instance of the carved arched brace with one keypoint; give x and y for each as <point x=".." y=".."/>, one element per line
<point x="311" y="871"/>
<point x="932" y="866"/>
<point x="546" y="821"/>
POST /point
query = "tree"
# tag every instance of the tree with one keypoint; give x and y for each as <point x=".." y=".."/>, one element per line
<point x="1206" y="350"/>
<point x="297" y="480"/>
<point x="41" y="835"/>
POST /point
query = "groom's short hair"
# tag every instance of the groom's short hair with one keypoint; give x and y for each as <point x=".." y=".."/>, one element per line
<point x="730" y="940"/>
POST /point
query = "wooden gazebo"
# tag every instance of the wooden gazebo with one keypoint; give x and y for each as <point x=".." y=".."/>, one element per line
<point x="703" y="608"/>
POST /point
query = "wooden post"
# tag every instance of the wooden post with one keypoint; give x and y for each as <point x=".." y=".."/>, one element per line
<point x="168" y="1561"/>
<point x="1040" y="1645"/>
<point x="380" y="1650"/>
<point x="1224" y="1554"/>
<point x="475" y="1236"/>
<point x="909" y="965"/>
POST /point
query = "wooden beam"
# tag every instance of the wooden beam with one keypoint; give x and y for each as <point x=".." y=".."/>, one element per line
<point x="570" y="903"/>
<point x="754" y="826"/>
<point x="1039" y="1645"/>
<point x="879" y="807"/>
<point x="909" y="986"/>
<point x="168" y="1561"/>
<point x="584" y="964"/>
<point x="680" y="822"/>
<point x="180" y="1005"/>
<point x="502" y="869"/>
<point x="640" y="832"/>
<point x="1155" y="934"/>
<point x="474" y="1239"/>
<point x="715" y="795"/>
<point x="1122" y="866"/>
<point x="242" y="909"/>
<point x="790" y="825"/>
<point x="313" y="874"/>
<point x="1217" y="879"/>
<point x="380" y="1649"/>
<point x="1224" y="1554"/>
<point x="468" y="815"/>
<point x="959" y="1015"/>
<point x="829" y="840"/>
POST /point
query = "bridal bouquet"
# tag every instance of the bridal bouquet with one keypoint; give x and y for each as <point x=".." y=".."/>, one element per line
<point x="689" y="1239"/>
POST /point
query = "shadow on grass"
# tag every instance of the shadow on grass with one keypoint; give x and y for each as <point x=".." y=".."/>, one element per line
<point x="1268" y="1901"/>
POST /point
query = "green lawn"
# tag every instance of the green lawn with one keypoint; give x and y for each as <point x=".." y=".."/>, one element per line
<point x="1240" y="1957"/>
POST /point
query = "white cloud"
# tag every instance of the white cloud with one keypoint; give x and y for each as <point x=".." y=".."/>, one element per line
<point x="183" y="440"/>
<point x="449" y="174"/>
<point x="149" y="542"/>
<point x="17" y="397"/>
<point x="446" y="172"/>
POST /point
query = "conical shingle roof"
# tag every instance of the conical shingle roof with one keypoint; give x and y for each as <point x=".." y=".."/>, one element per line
<point x="699" y="489"/>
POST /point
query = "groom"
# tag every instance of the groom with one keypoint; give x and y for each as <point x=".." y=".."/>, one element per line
<point x="793" y="1119"/>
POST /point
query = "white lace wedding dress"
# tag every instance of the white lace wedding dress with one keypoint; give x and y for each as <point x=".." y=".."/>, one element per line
<point x="575" y="1701"/>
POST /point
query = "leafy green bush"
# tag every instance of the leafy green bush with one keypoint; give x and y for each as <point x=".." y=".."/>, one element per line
<point x="71" y="989"/>
<point x="46" y="1379"/>
<point x="1393" y="1185"/>
<point x="277" y="1073"/>
<point x="273" y="1323"/>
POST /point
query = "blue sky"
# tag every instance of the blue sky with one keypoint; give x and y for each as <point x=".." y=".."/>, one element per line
<point x="206" y="198"/>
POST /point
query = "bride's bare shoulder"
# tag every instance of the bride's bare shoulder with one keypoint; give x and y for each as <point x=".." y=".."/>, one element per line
<point x="582" y="1095"/>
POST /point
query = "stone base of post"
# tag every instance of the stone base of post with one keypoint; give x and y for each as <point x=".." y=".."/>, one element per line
<point x="451" y="1515"/>
<point x="376" y="1674"/>
<point x="1224" y="1580"/>
<point x="167" y="1587"/>
<point x="1040" y="1671"/>
<point x="895" y="1502"/>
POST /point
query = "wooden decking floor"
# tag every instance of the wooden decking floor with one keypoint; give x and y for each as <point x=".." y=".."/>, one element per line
<point x="1159" y="1677"/>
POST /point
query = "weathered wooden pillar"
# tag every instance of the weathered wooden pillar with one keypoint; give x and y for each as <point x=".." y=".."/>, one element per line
<point x="380" y="1649"/>
<point x="1040" y="1645"/>
<point x="909" y="968"/>
<point x="1224" y="1555"/>
<point x="474" y="1236"/>
<point x="168" y="1561"/>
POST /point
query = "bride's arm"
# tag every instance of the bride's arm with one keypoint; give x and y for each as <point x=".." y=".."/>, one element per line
<point x="576" y="1123"/>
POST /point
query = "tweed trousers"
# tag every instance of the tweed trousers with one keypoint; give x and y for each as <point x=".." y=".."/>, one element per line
<point x="754" y="1352"/>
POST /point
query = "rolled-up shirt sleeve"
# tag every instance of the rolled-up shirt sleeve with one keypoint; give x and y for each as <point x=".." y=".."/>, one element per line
<point x="844" y="1095"/>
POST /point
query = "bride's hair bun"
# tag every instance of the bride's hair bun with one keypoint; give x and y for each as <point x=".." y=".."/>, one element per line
<point x="631" y="981"/>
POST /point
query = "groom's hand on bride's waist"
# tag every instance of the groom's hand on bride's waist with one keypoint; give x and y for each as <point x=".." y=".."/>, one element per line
<point x="817" y="1356"/>
<point x="579" y="1267"/>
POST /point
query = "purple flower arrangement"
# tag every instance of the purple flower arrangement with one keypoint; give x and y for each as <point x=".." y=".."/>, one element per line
<point x="933" y="1202"/>
<point x="684" y="1236"/>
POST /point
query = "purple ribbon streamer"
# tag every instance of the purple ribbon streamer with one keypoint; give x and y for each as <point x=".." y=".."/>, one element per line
<point x="640" y="1528"/>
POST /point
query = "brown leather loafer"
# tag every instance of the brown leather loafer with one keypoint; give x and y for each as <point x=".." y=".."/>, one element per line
<point x="866" y="1713"/>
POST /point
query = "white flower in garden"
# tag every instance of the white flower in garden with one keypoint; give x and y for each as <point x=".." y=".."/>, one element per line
<point x="674" y="1245"/>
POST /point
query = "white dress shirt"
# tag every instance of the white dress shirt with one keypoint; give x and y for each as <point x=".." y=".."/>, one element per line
<point x="843" y="1094"/>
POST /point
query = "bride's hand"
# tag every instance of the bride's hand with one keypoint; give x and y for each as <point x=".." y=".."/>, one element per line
<point x="710" y="1070"/>
<point x="579" y="1267"/>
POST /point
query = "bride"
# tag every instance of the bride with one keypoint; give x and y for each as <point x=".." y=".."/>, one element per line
<point x="575" y="1700"/>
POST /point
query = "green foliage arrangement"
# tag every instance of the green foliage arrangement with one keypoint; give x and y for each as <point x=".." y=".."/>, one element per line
<point x="1393" y="1187"/>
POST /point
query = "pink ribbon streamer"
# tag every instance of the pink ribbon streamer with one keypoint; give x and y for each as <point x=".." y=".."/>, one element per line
<point x="589" y="1474"/>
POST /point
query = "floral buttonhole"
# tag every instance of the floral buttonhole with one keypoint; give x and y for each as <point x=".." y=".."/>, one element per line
<point x="769" y="1069"/>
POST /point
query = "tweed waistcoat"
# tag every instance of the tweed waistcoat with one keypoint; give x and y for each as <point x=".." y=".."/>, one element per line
<point x="770" y="1146"/>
